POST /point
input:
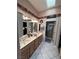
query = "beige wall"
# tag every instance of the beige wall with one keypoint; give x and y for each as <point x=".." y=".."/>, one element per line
<point x="57" y="31"/>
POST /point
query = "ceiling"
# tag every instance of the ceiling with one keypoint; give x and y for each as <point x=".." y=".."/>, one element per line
<point x="39" y="8"/>
<point x="42" y="5"/>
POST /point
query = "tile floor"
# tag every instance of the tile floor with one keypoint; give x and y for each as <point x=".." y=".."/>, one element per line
<point x="46" y="50"/>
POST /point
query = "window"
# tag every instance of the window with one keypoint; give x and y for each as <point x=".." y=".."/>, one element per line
<point x="50" y="3"/>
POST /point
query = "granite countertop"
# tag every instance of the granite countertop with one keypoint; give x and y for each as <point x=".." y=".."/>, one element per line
<point x="24" y="41"/>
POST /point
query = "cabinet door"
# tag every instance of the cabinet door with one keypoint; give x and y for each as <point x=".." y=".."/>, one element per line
<point x="31" y="48"/>
<point x="40" y="39"/>
<point x="25" y="53"/>
<point x="36" y="43"/>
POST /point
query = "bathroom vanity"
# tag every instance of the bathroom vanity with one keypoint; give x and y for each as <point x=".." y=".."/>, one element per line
<point x="29" y="45"/>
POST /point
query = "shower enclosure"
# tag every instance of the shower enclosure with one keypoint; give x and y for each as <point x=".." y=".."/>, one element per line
<point x="49" y="30"/>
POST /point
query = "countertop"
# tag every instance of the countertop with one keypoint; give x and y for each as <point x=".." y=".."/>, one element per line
<point x="24" y="41"/>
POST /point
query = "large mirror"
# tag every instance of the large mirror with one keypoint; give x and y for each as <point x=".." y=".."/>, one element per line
<point x="29" y="27"/>
<point x="35" y="27"/>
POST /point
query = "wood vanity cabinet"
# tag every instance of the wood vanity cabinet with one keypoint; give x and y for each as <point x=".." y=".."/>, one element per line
<point x="28" y="50"/>
<point x="25" y="52"/>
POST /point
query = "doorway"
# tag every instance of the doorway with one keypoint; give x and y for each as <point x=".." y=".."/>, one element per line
<point x="49" y="30"/>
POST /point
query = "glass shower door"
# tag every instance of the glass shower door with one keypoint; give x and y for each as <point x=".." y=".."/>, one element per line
<point x="49" y="30"/>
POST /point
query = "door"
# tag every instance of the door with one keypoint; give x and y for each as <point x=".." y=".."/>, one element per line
<point x="49" y="30"/>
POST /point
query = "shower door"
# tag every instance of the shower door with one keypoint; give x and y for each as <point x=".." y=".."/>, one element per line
<point x="49" y="30"/>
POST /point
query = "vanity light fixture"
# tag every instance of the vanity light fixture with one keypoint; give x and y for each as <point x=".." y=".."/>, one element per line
<point x="24" y="17"/>
<point x="34" y="21"/>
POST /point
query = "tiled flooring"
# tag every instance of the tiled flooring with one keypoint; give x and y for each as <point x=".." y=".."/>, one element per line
<point x="46" y="51"/>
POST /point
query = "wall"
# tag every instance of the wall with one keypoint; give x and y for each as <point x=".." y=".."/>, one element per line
<point x="58" y="31"/>
<point x="58" y="2"/>
<point x="19" y="24"/>
<point x="19" y="33"/>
